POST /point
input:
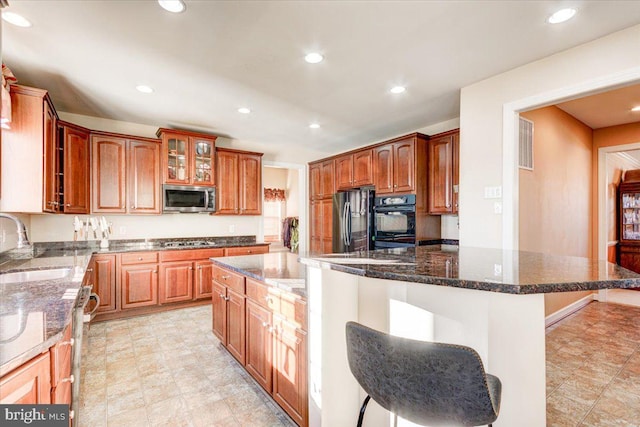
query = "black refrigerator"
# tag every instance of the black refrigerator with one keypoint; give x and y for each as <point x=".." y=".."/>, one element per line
<point x="353" y="220"/>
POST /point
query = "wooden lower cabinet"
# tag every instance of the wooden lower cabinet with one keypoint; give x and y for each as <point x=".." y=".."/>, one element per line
<point x="176" y="279"/>
<point x="104" y="281"/>
<point x="203" y="276"/>
<point x="228" y="307"/>
<point x="236" y="325"/>
<point x="139" y="285"/>
<point x="28" y="384"/>
<point x="259" y="337"/>
<point x="272" y="334"/>
<point x="290" y="369"/>
<point x="219" y="311"/>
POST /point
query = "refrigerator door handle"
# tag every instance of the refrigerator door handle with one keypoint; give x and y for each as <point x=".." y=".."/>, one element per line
<point x="348" y="223"/>
<point x="343" y="228"/>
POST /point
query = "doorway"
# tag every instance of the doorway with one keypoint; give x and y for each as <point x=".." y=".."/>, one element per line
<point x="283" y="206"/>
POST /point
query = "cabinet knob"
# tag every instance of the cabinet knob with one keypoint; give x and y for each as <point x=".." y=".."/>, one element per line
<point x="89" y="270"/>
<point x="225" y="277"/>
<point x="448" y="205"/>
<point x="190" y="268"/>
<point x="222" y="296"/>
<point x="139" y="258"/>
<point x="68" y="205"/>
<point x="155" y="271"/>
<point x="395" y="186"/>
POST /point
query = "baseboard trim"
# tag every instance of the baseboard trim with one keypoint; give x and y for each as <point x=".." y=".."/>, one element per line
<point x="568" y="310"/>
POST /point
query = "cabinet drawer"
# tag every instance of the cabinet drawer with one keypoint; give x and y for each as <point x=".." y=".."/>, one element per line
<point x="247" y="250"/>
<point x="61" y="358"/>
<point x="228" y="278"/>
<point x="263" y="295"/>
<point x="139" y="258"/>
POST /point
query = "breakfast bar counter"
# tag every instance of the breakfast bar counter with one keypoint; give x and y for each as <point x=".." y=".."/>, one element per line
<point x="489" y="299"/>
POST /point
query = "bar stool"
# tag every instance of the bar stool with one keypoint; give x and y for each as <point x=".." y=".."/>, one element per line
<point x="427" y="383"/>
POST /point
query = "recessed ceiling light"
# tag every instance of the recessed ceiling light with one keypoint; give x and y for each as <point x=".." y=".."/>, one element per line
<point x="15" y="19"/>
<point x="313" y="58"/>
<point x="244" y="110"/>
<point x="175" y="6"/>
<point x="397" y="89"/>
<point x="636" y="108"/>
<point x="314" y="126"/>
<point x="144" y="89"/>
<point x="561" y="16"/>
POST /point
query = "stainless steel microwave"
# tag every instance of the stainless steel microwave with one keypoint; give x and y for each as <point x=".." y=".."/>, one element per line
<point x="183" y="198"/>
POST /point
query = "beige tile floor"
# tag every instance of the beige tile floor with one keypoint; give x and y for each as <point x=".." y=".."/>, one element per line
<point x="593" y="367"/>
<point x="167" y="369"/>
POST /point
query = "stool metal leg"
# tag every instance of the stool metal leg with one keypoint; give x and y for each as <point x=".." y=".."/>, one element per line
<point x="362" y="409"/>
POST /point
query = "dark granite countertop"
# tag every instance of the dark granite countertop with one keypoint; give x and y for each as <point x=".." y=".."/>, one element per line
<point x="496" y="270"/>
<point x="279" y="269"/>
<point x="34" y="314"/>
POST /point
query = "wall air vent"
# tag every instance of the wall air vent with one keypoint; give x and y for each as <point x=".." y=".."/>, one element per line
<point x="526" y="144"/>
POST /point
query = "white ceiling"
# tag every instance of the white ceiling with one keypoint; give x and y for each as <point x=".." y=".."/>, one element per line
<point x="212" y="59"/>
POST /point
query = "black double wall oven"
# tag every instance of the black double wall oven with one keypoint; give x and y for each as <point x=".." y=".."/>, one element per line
<point x="395" y="221"/>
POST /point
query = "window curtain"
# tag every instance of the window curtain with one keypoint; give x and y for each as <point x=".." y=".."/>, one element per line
<point x="274" y="195"/>
<point x="7" y="79"/>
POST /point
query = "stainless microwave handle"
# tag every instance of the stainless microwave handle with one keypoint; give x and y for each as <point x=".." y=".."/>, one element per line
<point x="206" y="198"/>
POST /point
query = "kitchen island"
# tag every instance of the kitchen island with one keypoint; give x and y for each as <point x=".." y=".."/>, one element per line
<point x="488" y="299"/>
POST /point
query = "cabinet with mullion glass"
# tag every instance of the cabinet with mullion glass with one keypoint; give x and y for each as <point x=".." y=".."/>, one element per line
<point x="189" y="157"/>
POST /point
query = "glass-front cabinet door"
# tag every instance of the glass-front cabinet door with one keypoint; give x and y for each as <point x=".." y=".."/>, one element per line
<point x="189" y="157"/>
<point x="630" y="229"/>
<point x="177" y="159"/>
<point x="203" y="150"/>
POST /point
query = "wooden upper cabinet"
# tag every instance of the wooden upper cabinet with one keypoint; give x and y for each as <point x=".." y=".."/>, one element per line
<point x="126" y="174"/>
<point x="29" y="153"/>
<point x="327" y="179"/>
<point x="321" y="179"/>
<point x="354" y="170"/>
<point x="250" y="194"/>
<point x="383" y="167"/>
<point x="239" y="182"/>
<point x="404" y="166"/>
<point x="108" y="171"/>
<point x="443" y="171"/>
<point x="363" y="168"/>
<point x="50" y="202"/>
<point x="395" y="167"/>
<point x="227" y="189"/>
<point x="315" y="170"/>
<point x="456" y="171"/>
<point x="143" y="177"/>
<point x="188" y="157"/>
<point x="344" y="172"/>
<point x="74" y="179"/>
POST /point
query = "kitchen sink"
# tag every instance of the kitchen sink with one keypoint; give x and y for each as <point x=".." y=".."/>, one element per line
<point x="34" y="275"/>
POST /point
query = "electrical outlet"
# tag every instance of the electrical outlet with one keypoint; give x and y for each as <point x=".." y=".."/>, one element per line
<point x="493" y="192"/>
<point x="497" y="269"/>
<point x="497" y="207"/>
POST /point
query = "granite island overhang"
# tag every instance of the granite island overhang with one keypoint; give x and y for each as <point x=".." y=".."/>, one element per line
<point x="488" y="299"/>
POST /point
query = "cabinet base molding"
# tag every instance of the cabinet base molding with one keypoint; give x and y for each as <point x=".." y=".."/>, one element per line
<point x="133" y="312"/>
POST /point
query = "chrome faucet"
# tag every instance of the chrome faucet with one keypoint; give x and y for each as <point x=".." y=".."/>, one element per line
<point x="23" y="240"/>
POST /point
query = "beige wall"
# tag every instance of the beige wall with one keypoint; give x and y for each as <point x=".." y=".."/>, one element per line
<point x="555" y="197"/>
<point x="293" y="193"/>
<point x="8" y="232"/>
<point x="613" y="58"/>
